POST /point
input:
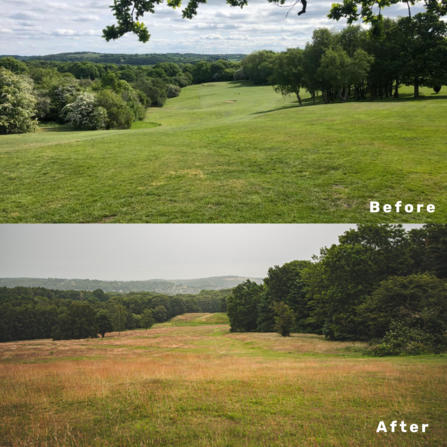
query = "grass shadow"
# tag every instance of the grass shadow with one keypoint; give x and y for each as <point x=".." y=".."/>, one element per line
<point x="244" y="84"/>
<point x="59" y="129"/>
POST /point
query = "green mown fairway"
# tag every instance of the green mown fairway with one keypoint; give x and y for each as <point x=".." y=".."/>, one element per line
<point x="227" y="152"/>
<point x="190" y="382"/>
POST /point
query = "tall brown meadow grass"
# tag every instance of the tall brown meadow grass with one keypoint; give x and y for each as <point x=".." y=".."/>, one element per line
<point x="203" y="386"/>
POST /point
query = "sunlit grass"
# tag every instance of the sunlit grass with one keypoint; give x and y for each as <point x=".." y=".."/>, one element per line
<point x="204" y="386"/>
<point x="228" y="152"/>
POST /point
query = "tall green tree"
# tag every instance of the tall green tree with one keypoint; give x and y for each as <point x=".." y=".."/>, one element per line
<point x="350" y="271"/>
<point x="288" y="73"/>
<point x="147" y="319"/>
<point x="242" y="306"/>
<point x="423" y="46"/>
<point x="284" y="318"/>
<point x="160" y="314"/>
<point x="103" y="323"/>
<point x="280" y="286"/>
<point x="78" y="322"/>
<point x="322" y="39"/>
<point x="119" y="318"/>
<point x="259" y="66"/>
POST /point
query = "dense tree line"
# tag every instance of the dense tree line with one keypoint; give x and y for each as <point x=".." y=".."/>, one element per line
<point x="379" y="282"/>
<point x="91" y="96"/>
<point x="28" y="313"/>
<point x="83" y="94"/>
<point x="355" y="62"/>
<point x="132" y="59"/>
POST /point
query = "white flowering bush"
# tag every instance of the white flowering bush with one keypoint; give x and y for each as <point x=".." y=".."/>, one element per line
<point x="17" y="103"/>
<point x="83" y="113"/>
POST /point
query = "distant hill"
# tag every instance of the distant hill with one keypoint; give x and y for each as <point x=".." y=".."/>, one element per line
<point x="169" y="287"/>
<point x="131" y="59"/>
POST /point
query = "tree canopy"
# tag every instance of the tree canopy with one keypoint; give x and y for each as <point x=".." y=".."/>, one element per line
<point x="378" y="281"/>
<point x="129" y="13"/>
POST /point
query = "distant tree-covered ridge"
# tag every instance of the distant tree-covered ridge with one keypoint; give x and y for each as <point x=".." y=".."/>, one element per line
<point x="28" y="313"/>
<point x="130" y="59"/>
<point x="176" y="286"/>
<point x="379" y="283"/>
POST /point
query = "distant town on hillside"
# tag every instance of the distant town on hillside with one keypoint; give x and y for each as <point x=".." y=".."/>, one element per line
<point x="170" y="287"/>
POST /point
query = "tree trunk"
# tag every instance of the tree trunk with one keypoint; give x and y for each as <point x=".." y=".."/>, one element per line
<point x="299" y="99"/>
<point x="396" y="90"/>
<point x="416" y="87"/>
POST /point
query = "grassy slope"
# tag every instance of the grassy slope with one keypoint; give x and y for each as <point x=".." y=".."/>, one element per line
<point x="259" y="159"/>
<point x="203" y="386"/>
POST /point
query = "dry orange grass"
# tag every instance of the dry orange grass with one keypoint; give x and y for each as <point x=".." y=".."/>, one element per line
<point x="202" y="386"/>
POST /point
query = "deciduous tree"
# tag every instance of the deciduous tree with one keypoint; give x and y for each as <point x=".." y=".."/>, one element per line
<point x="147" y="319"/>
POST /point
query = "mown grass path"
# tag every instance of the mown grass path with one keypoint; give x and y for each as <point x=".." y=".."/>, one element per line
<point x="190" y="382"/>
<point x="227" y="152"/>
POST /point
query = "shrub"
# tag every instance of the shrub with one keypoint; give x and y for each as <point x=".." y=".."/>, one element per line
<point x="43" y="106"/>
<point x="133" y="102"/>
<point x="119" y="116"/>
<point x="420" y="300"/>
<point x="239" y="75"/>
<point x="154" y="90"/>
<point x="403" y="339"/>
<point x="83" y="113"/>
<point x="182" y="80"/>
<point x="62" y="95"/>
<point x="173" y="91"/>
<point x="17" y="103"/>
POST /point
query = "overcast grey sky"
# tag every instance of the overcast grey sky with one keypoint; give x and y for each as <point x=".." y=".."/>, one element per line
<point x="141" y="252"/>
<point x="30" y="27"/>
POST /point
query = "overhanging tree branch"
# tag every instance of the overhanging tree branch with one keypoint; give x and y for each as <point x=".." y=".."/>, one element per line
<point x="129" y="12"/>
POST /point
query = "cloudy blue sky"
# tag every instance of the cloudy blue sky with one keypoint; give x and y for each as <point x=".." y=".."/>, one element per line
<point x="30" y="27"/>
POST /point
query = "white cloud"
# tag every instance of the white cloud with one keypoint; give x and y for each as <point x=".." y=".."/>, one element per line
<point x="70" y="32"/>
<point x="218" y="28"/>
<point x="61" y="6"/>
<point x="63" y="32"/>
<point x="27" y="15"/>
<point x="86" y="18"/>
